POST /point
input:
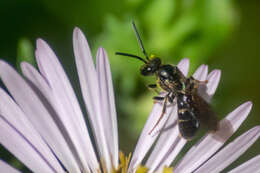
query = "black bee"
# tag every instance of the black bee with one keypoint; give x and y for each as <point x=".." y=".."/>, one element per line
<point x="193" y="110"/>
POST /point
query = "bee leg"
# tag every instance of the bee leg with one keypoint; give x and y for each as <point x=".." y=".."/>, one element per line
<point x="158" y="99"/>
<point x="153" y="87"/>
<point x="203" y="82"/>
<point x="171" y="98"/>
<point x="197" y="82"/>
<point x="163" y="112"/>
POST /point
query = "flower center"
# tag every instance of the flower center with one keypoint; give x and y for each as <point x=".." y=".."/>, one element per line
<point x="124" y="163"/>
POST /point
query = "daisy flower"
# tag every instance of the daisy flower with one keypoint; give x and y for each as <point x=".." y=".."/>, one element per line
<point x="43" y="125"/>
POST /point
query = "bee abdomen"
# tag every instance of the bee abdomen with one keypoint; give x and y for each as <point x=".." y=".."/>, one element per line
<point x="188" y="123"/>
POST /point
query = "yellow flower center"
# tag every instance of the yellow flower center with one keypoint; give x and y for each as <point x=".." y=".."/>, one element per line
<point x="124" y="163"/>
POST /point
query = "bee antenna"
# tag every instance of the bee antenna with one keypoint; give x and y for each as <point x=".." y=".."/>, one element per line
<point x="133" y="56"/>
<point x="140" y="41"/>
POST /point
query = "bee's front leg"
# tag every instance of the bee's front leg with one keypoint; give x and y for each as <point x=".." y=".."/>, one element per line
<point x="158" y="99"/>
<point x="153" y="87"/>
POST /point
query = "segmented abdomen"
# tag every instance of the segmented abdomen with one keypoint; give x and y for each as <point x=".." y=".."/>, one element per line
<point x="187" y="120"/>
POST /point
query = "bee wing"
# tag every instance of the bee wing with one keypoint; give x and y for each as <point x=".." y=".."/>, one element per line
<point x="204" y="113"/>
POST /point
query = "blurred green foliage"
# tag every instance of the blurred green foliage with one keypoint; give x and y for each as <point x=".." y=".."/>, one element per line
<point x="222" y="33"/>
<point x="25" y="52"/>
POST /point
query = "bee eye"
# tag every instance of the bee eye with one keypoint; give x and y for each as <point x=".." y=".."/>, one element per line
<point x="146" y="70"/>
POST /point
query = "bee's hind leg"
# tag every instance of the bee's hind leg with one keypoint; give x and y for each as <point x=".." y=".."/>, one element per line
<point x="203" y="82"/>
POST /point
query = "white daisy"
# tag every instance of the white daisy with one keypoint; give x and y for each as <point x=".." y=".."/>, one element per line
<point x="43" y="126"/>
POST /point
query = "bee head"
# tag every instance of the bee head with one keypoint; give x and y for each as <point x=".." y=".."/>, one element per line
<point x="151" y="66"/>
<point x="151" y="63"/>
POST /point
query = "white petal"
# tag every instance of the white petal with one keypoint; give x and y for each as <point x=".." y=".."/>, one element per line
<point x="34" y="76"/>
<point x="210" y="143"/>
<point x="208" y="90"/>
<point x="67" y="105"/>
<point x="231" y="152"/>
<point x="108" y="104"/>
<point x="90" y="90"/>
<point x="173" y="152"/>
<point x="213" y="81"/>
<point x="14" y="141"/>
<point x="248" y="167"/>
<point x="14" y="115"/>
<point x="183" y="65"/>
<point x="146" y="140"/>
<point x="168" y="143"/>
<point x="201" y="73"/>
<point x="4" y="167"/>
<point x="38" y="112"/>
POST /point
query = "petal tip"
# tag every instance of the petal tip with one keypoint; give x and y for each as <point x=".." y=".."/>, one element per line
<point x="248" y="105"/>
<point x="24" y="67"/>
<point x="41" y="45"/>
<point x="39" y="41"/>
<point x="216" y="72"/>
<point x="78" y="34"/>
<point x="101" y="49"/>
<point x="183" y="65"/>
<point x="76" y="31"/>
<point x="23" y="64"/>
<point x="186" y="59"/>
<point x="214" y="75"/>
<point x="2" y="62"/>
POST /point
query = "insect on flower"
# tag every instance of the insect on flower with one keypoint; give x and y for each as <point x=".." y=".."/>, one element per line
<point x="193" y="110"/>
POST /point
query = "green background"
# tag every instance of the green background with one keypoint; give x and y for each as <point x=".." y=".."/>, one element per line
<point x="221" y="33"/>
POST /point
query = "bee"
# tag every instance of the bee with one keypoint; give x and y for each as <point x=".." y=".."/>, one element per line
<point x="193" y="110"/>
